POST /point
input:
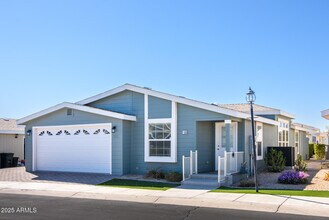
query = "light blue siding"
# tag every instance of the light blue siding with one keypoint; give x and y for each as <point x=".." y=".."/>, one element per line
<point x="121" y="102"/>
<point x="60" y="118"/>
<point x="241" y="136"/>
<point x="272" y="117"/>
<point x="159" y="108"/>
<point x="128" y="141"/>
<point x="126" y="144"/>
<point x="206" y="146"/>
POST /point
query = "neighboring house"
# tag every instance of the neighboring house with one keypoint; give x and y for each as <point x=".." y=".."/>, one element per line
<point x="323" y="138"/>
<point x="286" y="133"/>
<point x="11" y="138"/>
<point x="132" y="129"/>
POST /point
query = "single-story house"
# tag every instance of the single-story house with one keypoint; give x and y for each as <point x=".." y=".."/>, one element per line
<point x="12" y="138"/>
<point x="133" y="129"/>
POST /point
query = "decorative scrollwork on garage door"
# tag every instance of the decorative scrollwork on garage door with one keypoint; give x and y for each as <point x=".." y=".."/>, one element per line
<point x="97" y="131"/>
<point x="59" y="133"/>
<point x="49" y="133"/>
<point x="42" y="133"/>
<point x="86" y="132"/>
<point x="77" y="132"/>
<point x="106" y="131"/>
<point x="67" y="132"/>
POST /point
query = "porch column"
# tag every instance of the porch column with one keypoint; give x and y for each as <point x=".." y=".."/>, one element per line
<point x="227" y="136"/>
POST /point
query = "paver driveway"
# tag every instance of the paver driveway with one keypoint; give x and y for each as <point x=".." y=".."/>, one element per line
<point x="18" y="174"/>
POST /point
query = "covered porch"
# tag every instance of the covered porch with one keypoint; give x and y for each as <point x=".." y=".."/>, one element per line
<point x="219" y="152"/>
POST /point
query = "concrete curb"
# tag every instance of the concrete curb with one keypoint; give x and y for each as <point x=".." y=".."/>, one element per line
<point x="310" y="206"/>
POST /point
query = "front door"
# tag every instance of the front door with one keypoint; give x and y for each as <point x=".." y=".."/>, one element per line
<point x="220" y="140"/>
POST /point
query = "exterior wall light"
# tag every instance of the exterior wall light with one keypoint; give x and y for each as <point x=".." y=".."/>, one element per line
<point x="28" y="132"/>
<point x="114" y="128"/>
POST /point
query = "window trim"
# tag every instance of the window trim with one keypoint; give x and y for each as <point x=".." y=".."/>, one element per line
<point x="160" y="121"/>
<point x="261" y="157"/>
<point x="297" y="141"/>
<point x="284" y="128"/>
<point x="173" y="145"/>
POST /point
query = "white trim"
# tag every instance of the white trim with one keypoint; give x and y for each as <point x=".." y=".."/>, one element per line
<point x="34" y="148"/>
<point x="325" y="114"/>
<point x="297" y="142"/>
<point x="75" y="125"/>
<point x="218" y="139"/>
<point x="34" y="140"/>
<point x="174" y="132"/>
<point x="178" y="99"/>
<point x="262" y="141"/>
<point x="284" y="130"/>
<point x="173" y="139"/>
<point x="309" y="130"/>
<point x="77" y="107"/>
<point x="12" y="132"/>
<point x="146" y="128"/>
<point x="275" y="112"/>
<point x="159" y="120"/>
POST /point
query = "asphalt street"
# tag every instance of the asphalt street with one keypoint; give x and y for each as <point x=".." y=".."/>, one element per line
<point x="13" y="206"/>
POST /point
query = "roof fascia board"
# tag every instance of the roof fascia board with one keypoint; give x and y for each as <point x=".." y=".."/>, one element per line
<point x="12" y="132"/>
<point x="325" y="114"/>
<point x="177" y="99"/>
<point x="300" y="128"/>
<point x="275" y="112"/>
<point x="76" y="107"/>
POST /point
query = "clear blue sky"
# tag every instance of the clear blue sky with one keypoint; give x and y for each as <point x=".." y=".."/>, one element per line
<point x="55" y="51"/>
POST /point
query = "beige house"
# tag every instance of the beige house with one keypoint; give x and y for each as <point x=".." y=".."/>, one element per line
<point x="12" y="138"/>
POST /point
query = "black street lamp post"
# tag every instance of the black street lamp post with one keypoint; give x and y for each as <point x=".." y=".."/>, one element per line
<point x="251" y="97"/>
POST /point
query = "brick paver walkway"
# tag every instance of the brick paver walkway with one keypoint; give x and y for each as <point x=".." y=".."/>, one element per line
<point x="18" y="174"/>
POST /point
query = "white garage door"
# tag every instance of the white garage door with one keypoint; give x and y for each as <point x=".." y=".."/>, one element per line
<point x="75" y="148"/>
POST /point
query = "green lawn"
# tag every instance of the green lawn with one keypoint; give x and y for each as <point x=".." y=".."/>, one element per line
<point x="136" y="184"/>
<point x="274" y="192"/>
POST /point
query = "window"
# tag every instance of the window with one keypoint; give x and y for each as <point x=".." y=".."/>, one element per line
<point x="283" y="133"/>
<point x="69" y="111"/>
<point x="160" y="139"/>
<point x="160" y="136"/>
<point x="259" y="141"/>
<point x="297" y="141"/>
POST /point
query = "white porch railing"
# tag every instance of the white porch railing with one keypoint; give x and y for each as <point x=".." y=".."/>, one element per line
<point x="190" y="165"/>
<point x="229" y="164"/>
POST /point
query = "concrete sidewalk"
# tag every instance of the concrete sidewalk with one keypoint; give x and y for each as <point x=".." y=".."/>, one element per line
<point x="177" y="196"/>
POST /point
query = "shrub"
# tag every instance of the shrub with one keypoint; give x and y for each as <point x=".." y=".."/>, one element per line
<point x="247" y="183"/>
<point x="300" y="164"/>
<point x="275" y="161"/>
<point x="311" y="150"/>
<point x="326" y="176"/>
<point x="293" y="177"/>
<point x="174" y="177"/>
<point x="156" y="174"/>
<point x="319" y="151"/>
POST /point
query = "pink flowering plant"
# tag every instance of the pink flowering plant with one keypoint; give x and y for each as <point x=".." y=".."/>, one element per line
<point x="293" y="177"/>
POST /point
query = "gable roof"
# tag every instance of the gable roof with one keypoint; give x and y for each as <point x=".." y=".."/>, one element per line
<point x="178" y="99"/>
<point x="258" y="109"/>
<point x="325" y="114"/>
<point x="80" y="108"/>
<point x="9" y="126"/>
<point x="303" y="127"/>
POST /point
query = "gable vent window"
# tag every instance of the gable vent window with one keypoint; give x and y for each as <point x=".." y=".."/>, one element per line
<point x="69" y="111"/>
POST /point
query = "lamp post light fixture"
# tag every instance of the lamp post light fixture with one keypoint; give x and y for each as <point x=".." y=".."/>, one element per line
<point x="251" y="98"/>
